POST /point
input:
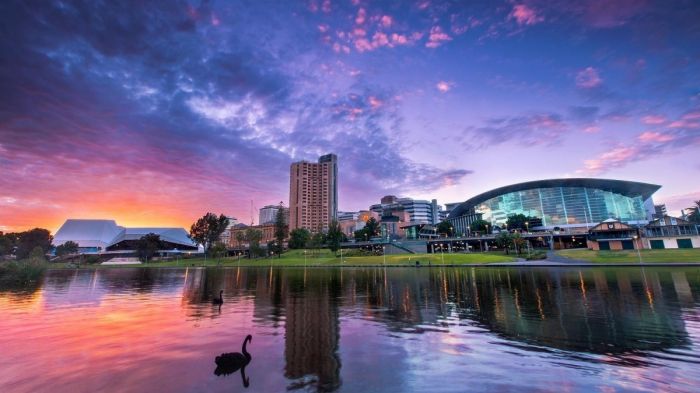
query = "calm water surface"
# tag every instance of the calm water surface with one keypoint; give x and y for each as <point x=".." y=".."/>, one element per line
<point x="355" y="330"/>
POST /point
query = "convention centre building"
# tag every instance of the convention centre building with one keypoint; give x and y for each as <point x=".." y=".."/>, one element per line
<point x="559" y="203"/>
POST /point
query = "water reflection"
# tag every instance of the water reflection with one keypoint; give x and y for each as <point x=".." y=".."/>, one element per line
<point x="358" y="329"/>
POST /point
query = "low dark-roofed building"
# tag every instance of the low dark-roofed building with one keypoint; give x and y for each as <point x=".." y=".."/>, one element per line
<point x="671" y="232"/>
<point x="613" y="234"/>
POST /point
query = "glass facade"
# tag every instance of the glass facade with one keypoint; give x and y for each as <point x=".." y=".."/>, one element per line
<point x="562" y="206"/>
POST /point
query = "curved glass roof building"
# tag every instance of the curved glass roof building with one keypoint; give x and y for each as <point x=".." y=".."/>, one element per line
<point x="560" y="202"/>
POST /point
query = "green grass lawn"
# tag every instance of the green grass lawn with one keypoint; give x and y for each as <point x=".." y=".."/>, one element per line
<point x="630" y="256"/>
<point x="327" y="258"/>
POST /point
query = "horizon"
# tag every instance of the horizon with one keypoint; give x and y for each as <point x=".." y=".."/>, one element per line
<point x="152" y="116"/>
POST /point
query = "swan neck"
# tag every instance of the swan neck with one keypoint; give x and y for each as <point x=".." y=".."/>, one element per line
<point x="244" y="350"/>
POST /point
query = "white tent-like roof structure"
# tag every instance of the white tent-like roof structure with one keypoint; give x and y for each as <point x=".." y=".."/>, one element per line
<point x="88" y="233"/>
<point x="172" y="235"/>
<point x="100" y="234"/>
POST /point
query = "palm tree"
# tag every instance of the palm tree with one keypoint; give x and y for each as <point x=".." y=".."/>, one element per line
<point x="694" y="214"/>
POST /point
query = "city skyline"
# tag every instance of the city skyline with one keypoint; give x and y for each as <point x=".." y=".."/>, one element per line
<point x="155" y="115"/>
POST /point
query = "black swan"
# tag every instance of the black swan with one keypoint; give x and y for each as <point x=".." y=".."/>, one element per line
<point x="229" y="363"/>
<point x="220" y="299"/>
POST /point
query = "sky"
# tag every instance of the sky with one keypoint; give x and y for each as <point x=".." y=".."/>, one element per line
<point x="153" y="113"/>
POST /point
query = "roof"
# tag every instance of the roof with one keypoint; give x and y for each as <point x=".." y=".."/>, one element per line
<point x="104" y="233"/>
<point x="623" y="187"/>
<point x="669" y="221"/>
<point x="88" y="233"/>
<point x="172" y="235"/>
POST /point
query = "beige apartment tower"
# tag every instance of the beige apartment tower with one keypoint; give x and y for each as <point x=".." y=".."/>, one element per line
<point x="313" y="193"/>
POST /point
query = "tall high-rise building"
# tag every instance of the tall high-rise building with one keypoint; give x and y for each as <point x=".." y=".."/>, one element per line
<point x="313" y="193"/>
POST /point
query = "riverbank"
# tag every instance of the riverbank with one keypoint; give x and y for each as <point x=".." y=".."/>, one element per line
<point x="666" y="256"/>
<point x="326" y="258"/>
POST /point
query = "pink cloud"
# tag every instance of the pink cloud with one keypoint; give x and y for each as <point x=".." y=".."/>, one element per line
<point x="363" y="44"/>
<point x="313" y="6"/>
<point x="614" y="158"/>
<point x="650" y="136"/>
<point x="398" y="39"/>
<point x="444" y="86"/>
<point x="359" y="32"/>
<point x="375" y="102"/>
<point x="654" y="119"/>
<point x="591" y="129"/>
<point x="525" y="15"/>
<point x="437" y="37"/>
<point x="588" y="78"/>
<point x="326" y="6"/>
<point x="423" y="5"/>
<point x="361" y="16"/>
<point x="689" y="120"/>
<point x="386" y="21"/>
<point x="607" y="14"/>
<point x="379" y="39"/>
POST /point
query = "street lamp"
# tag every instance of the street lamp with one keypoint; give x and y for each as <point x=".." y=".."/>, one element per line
<point x="304" y="258"/>
<point x="527" y="227"/>
<point x="637" y="247"/>
<point x="384" y="254"/>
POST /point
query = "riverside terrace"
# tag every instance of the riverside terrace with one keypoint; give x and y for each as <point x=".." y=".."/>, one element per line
<point x="535" y="240"/>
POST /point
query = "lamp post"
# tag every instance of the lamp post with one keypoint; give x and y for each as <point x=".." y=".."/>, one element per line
<point x="527" y="227"/>
<point x="635" y="237"/>
<point x="442" y="254"/>
<point x="304" y="258"/>
<point x="384" y="254"/>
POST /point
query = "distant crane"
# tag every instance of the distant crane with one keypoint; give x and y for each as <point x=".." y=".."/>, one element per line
<point x="252" y="209"/>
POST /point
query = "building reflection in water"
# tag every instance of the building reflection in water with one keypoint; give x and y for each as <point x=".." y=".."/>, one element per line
<point x="618" y="316"/>
<point x="621" y="313"/>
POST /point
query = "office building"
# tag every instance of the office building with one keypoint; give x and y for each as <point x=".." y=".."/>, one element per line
<point x="419" y="211"/>
<point x="268" y="214"/>
<point x="313" y="193"/>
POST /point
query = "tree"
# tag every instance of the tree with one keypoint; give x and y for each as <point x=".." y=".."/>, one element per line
<point x="31" y="239"/>
<point x="7" y="244"/>
<point x="445" y="227"/>
<point x="522" y="222"/>
<point x="372" y="227"/>
<point x="316" y="241"/>
<point x="280" y="231"/>
<point x="334" y="236"/>
<point x="37" y="255"/>
<point x="504" y="240"/>
<point x="254" y="236"/>
<point x="218" y="250"/>
<point x="208" y="229"/>
<point x="147" y="246"/>
<point x="298" y="238"/>
<point x="240" y="238"/>
<point x="67" y="248"/>
<point x="518" y="242"/>
<point x="694" y="214"/>
<point x="479" y="226"/>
